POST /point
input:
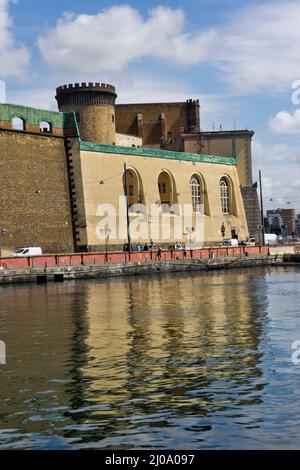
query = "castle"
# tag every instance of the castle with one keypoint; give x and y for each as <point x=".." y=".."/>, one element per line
<point x="57" y="167"/>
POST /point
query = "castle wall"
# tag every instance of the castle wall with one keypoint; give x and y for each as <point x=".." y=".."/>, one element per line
<point x="34" y="192"/>
<point x="153" y="121"/>
<point x="102" y="175"/>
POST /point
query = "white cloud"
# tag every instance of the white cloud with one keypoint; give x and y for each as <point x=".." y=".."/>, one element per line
<point x="41" y="98"/>
<point x="261" y="47"/>
<point x="14" y="58"/>
<point x="256" y="49"/>
<point x="115" y="37"/>
<point x="280" y="166"/>
<point x="286" y="123"/>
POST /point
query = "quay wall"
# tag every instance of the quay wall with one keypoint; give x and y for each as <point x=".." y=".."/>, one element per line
<point x="42" y="275"/>
<point x="90" y="259"/>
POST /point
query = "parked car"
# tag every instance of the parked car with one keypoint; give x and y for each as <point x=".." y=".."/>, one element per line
<point x="230" y="242"/>
<point x="251" y="242"/>
<point x="176" y="247"/>
<point x="134" y="247"/>
<point x="29" y="251"/>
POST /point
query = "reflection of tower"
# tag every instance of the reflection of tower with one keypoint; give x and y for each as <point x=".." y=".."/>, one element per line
<point x="94" y="105"/>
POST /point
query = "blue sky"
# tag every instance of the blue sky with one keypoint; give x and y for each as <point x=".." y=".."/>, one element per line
<point x="239" y="60"/>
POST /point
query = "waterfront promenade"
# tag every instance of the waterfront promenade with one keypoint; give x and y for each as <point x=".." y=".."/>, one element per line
<point x="59" y="268"/>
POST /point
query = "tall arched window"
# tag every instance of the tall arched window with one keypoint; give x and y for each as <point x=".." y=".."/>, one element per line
<point x="18" y="124"/>
<point x="165" y="188"/>
<point x="224" y="190"/>
<point x="196" y="193"/>
<point x="134" y="188"/>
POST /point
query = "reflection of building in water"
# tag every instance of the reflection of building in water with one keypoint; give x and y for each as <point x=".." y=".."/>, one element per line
<point x="152" y="344"/>
<point x="42" y="329"/>
<point x="102" y="352"/>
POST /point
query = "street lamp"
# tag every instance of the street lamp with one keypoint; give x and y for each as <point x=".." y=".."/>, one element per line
<point x="189" y="231"/>
<point x="223" y="230"/>
<point x="106" y="232"/>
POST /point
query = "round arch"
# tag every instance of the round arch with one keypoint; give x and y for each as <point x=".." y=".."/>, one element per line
<point x="227" y="195"/>
<point x="134" y="188"/>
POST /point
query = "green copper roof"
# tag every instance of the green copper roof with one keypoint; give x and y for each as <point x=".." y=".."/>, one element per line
<point x="145" y="152"/>
<point x="35" y="116"/>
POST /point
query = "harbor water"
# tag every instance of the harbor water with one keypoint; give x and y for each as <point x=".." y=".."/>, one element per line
<point x="177" y="361"/>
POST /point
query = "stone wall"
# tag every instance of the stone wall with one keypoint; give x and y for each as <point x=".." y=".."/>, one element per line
<point x="154" y="121"/>
<point x="34" y="192"/>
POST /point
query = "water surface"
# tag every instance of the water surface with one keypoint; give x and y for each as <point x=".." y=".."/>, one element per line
<point x="200" y="361"/>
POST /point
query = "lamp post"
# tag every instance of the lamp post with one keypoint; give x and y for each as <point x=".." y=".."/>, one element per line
<point x="189" y="231"/>
<point x="106" y="232"/>
<point x="127" y="209"/>
<point x="262" y="210"/>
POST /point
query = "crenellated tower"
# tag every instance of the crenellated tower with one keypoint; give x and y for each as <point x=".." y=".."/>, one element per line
<point x="94" y="105"/>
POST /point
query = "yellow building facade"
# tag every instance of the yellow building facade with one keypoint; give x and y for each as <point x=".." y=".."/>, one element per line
<point x="168" y="183"/>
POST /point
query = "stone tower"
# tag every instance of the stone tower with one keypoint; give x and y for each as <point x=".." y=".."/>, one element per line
<point x="94" y="105"/>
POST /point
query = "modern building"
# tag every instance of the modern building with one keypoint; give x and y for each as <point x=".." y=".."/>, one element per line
<point x="282" y="222"/>
<point x="60" y="169"/>
<point x="298" y="225"/>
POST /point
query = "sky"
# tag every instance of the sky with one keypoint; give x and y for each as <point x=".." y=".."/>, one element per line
<point x="241" y="59"/>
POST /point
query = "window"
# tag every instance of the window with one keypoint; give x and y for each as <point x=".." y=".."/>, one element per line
<point x="224" y="189"/>
<point x="18" y="124"/>
<point x="196" y="193"/>
<point x="113" y="118"/>
<point x="165" y="187"/>
<point x="134" y="189"/>
<point x="45" y="127"/>
<point x="162" y="188"/>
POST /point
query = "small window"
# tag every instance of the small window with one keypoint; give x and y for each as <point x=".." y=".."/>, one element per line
<point x="18" y="124"/>
<point x="113" y="118"/>
<point x="45" y="127"/>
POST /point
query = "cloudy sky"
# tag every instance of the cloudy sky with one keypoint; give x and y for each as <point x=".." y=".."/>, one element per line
<point x="241" y="61"/>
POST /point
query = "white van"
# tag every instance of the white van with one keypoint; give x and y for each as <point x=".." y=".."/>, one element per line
<point x="271" y="239"/>
<point x="29" y="251"/>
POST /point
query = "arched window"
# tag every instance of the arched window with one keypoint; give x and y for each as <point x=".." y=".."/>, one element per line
<point x="45" y="127"/>
<point x="165" y="188"/>
<point x="18" y="124"/>
<point x="134" y="187"/>
<point x="196" y="193"/>
<point x="224" y="193"/>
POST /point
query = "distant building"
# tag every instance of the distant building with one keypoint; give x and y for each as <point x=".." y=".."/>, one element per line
<point x="282" y="222"/>
<point x="298" y="225"/>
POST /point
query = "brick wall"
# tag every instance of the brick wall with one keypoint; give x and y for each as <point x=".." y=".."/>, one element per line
<point x="176" y="117"/>
<point x="34" y="192"/>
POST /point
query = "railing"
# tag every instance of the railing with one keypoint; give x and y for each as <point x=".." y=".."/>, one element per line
<point x="85" y="259"/>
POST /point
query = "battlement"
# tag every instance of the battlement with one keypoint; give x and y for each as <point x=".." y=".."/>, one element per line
<point x="102" y="87"/>
<point x="85" y="94"/>
<point x="190" y="101"/>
